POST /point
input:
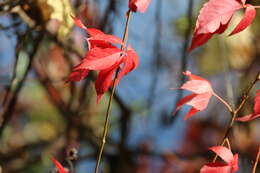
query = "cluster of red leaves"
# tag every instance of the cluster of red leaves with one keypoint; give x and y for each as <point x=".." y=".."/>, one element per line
<point x="104" y="57"/>
<point x="215" y="16"/>
<point x="139" y="5"/>
<point x="59" y="166"/>
<point x="225" y="154"/>
<point x="202" y="92"/>
<point x="256" y="113"/>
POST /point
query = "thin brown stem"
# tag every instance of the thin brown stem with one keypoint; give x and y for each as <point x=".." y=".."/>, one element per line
<point x="246" y="95"/>
<point x="228" y="143"/>
<point x="230" y="109"/>
<point x="234" y="112"/>
<point x="256" y="160"/>
<point x="106" y="125"/>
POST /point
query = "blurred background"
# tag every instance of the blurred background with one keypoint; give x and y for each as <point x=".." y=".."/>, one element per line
<point x="43" y="117"/>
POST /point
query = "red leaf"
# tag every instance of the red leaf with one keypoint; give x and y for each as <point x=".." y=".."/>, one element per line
<point x="130" y="61"/>
<point x="103" y="56"/>
<point x="231" y="160"/>
<point x="97" y="35"/>
<point x="139" y="5"/>
<point x="200" y="102"/>
<point x="256" y="113"/>
<point x="234" y="163"/>
<point x="59" y="166"/>
<point x="202" y="93"/>
<point x="103" y="82"/>
<point x="215" y="168"/>
<point x="247" y="19"/>
<point x="105" y="38"/>
<point x="223" y="152"/>
<point x="257" y="102"/>
<point x="184" y="100"/>
<point x="247" y="118"/>
<point x="192" y="76"/>
<point x="100" y="59"/>
<point x="94" y="32"/>
<point x="77" y="75"/>
<point x="214" y="18"/>
<point x="197" y="86"/>
<point x="191" y="112"/>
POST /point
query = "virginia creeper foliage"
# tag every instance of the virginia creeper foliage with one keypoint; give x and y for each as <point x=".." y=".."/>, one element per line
<point x="225" y="154"/>
<point x="104" y="57"/>
<point x="256" y="113"/>
<point x="202" y="92"/>
<point x="215" y="16"/>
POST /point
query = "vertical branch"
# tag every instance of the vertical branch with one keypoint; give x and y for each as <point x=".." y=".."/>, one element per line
<point x="157" y="52"/>
<point x="110" y="8"/>
<point x="10" y="86"/>
<point x="106" y="125"/>
<point x="9" y="110"/>
<point x="184" y="55"/>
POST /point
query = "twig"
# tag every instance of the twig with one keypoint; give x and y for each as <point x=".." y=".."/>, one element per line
<point x="157" y="52"/>
<point x="10" y="86"/>
<point x="8" y="112"/>
<point x="184" y="55"/>
<point x="230" y="109"/>
<point x="234" y="113"/>
<point x="228" y="143"/>
<point x="105" y="131"/>
<point x="256" y="160"/>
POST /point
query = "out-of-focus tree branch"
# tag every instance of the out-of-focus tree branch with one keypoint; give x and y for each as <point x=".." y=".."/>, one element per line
<point x="184" y="55"/>
<point x="10" y="108"/>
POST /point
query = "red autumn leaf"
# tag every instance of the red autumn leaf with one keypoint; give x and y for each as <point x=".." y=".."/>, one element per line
<point x="215" y="168"/>
<point x="96" y="59"/>
<point x="105" y="77"/>
<point x="215" y="16"/>
<point x="97" y="37"/>
<point x="256" y="113"/>
<point x="130" y="61"/>
<point x="105" y="57"/>
<point x="104" y="81"/>
<point x="139" y="5"/>
<point x="100" y="59"/>
<point x="247" y="19"/>
<point x="224" y="153"/>
<point x="59" y="166"/>
<point x="202" y="92"/>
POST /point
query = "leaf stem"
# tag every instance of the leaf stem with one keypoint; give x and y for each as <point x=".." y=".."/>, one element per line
<point x="230" y="109"/>
<point x="234" y="113"/>
<point x="228" y="143"/>
<point x="106" y="125"/>
<point x="256" y="160"/>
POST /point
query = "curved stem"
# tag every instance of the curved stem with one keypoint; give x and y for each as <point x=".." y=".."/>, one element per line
<point x="230" y="109"/>
<point x="106" y="125"/>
